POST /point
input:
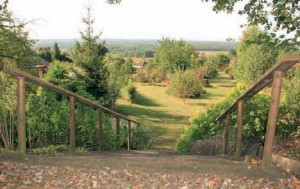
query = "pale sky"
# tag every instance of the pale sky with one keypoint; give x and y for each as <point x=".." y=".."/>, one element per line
<point x="133" y="19"/>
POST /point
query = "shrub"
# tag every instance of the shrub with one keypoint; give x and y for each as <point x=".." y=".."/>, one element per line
<point x="141" y="138"/>
<point x="289" y="119"/>
<point x="140" y="76"/>
<point x="128" y="92"/>
<point x="210" y="69"/>
<point x="184" y="84"/>
<point x="203" y="126"/>
<point x="256" y="53"/>
<point x="221" y="61"/>
<point x="112" y="141"/>
<point x="254" y="61"/>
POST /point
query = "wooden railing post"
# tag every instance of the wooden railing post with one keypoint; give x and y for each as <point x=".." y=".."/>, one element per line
<point x="21" y="116"/>
<point x="118" y="128"/>
<point x="100" y="130"/>
<point x="72" y="124"/>
<point x="129" y="135"/>
<point x="272" y="118"/>
<point x="1" y="64"/>
<point x="239" y="130"/>
<point x="226" y="134"/>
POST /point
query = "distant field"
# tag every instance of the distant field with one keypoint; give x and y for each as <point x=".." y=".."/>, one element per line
<point x="212" y="53"/>
<point x="136" y="47"/>
<point x="167" y="116"/>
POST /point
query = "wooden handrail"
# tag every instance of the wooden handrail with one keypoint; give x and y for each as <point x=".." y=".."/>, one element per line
<point x="275" y="75"/>
<point x="18" y="73"/>
<point x="262" y="82"/>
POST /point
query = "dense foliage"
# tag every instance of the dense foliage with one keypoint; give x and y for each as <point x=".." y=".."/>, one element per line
<point x="15" y="47"/>
<point x="90" y="56"/>
<point x="203" y="126"/>
<point x="276" y="16"/>
<point x="172" y="55"/>
<point x="185" y="84"/>
<point x="141" y="138"/>
<point x="210" y="68"/>
<point x="255" y="56"/>
<point x="290" y="107"/>
<point x="15" y="50"/>
<point x="119" y="78"/>
<point x="8" y="110"/>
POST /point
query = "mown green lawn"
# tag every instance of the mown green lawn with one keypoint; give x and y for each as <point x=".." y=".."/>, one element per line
<point x="167" y="116"/>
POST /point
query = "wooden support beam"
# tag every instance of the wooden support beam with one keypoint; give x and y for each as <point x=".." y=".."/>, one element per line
<point x="100" y="130"/>
<point x="118" y="128"/>
<point x="272" y="118"/>
<point x="21" y="116"/>
<point x="226" y="134"/>
<point x="1" y="64"/>
<point x="72" y="124"/>
<point x="239" y="130"/>
<point x="129" y="135"/>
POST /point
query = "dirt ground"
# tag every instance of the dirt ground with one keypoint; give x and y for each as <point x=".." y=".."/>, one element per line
<point x="137" y="169"/>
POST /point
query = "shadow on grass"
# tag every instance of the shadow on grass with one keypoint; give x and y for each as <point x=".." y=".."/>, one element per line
<point x="227" y="85"/>
<point x="144" y="101"/>
<point x="199" y="104"/>
<point x="210" y="96"/>
<point x="145" y="113"/>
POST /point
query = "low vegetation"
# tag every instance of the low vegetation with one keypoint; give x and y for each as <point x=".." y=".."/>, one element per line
<point x="256" y="53"/>
<point x="152" y="94"/>
<point x="165" y="115"/>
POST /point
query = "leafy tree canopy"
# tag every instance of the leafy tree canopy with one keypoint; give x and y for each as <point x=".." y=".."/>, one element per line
<point x="254" y="56"/>
<point x="90" y="56"/>
<point x="14" y="43"/>
<point x="172" y="54"/>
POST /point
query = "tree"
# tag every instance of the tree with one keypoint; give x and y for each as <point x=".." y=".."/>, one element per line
<point x="254" y="56"/>
<point x="185" y="84"/>
<point x="273" y="15"/>
<point x="3" y="5"/>
<point x="45" y="53"/>
<point x="90" y="57"/>
<point x="172" y="55"/>
<point x="221" y="61"/>
<point x="119" y="76"/>
<point x="15" y="47"/>
<point x="210" y="69"/>
<point x="15" y="50"/>
<point x="56" y="52"/>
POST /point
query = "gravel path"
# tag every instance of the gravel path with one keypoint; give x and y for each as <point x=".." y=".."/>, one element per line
<point x="32" y="171"/>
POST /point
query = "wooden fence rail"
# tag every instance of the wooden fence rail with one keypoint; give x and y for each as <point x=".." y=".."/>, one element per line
<point x="275" y="75"/>
<point x="22" y="77"/>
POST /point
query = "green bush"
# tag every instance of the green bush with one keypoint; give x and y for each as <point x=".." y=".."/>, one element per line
<point x="140" y="76"/>
<point x="221" y="61"/>
<point x="256" y="53"/>
<point x="289" y="119"/>
<point x="141" y="138"/>
<point x="203" y="126"/>
<point x="210" y="69"/>
<point x="112" y="141"/>
<point x="128" y="92"/>
<point x="185" y="84"/>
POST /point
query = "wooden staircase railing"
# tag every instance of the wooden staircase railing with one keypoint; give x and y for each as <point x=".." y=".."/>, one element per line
<point x="22" y="77"/>
<point x="275" y="75"/>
